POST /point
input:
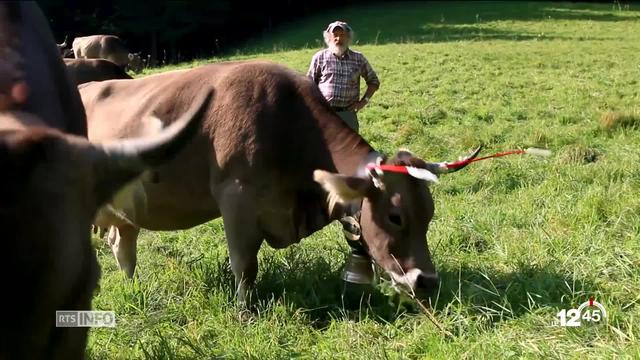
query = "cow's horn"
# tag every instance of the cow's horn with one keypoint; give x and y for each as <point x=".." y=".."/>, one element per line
<point x="64" y="43"/>
<point x="153" y="150"/>
<point x="447" y="167"/>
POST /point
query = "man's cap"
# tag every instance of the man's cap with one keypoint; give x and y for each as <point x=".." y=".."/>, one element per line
<point x="341" y="24"/>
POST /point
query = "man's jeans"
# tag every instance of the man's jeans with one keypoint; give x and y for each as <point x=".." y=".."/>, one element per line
<point x="350" y="118"/>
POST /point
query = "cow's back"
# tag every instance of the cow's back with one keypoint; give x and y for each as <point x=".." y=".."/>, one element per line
<point x="263" y="112"/>
<point x="262" y="128"/>
<point x="108" y="47"/>
<point x="85" y="70"/>
<point x="87" y="46"/>
<point x="112" y="48"/>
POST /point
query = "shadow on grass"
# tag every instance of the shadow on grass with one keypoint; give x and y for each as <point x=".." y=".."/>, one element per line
<point x="427" y="22"/>
<point x="509" y="294"/>
<point x="310" y="285"/>
<point x="487" y="293"/>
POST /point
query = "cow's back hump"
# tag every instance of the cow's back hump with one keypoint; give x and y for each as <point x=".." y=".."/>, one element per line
<point x="263" y="118"/>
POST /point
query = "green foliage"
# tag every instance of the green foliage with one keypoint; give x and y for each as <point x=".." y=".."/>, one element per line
<point x="515" y="239"/>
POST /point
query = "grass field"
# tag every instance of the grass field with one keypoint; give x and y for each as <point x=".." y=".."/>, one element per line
<point x="514" y="239"/>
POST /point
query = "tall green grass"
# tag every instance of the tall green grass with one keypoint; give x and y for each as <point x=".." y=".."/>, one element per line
<point x="514" y="239"/>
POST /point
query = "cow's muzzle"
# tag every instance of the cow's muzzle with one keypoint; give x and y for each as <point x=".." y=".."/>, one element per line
<point x="416" y="282"/>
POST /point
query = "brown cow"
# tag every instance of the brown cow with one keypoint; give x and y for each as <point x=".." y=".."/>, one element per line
<point x="53" y="181"/>
<point x="270" y="144"/>
<point x="86" y="70"/>
<point x="108" y="47"/>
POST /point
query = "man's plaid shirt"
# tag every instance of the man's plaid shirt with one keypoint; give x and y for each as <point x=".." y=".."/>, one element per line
<point x="339" y="77"/>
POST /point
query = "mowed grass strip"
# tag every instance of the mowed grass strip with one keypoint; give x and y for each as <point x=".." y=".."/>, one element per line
<point x="514" y="239"/>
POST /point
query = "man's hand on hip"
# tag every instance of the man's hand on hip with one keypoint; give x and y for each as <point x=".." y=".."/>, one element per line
<point x="358" y="105"/>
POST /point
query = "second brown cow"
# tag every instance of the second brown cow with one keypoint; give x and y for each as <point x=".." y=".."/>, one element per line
<point x="273" y="159"/>
<point x="85" y="70"/>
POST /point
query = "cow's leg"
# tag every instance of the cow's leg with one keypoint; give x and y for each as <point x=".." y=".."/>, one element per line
<point x="243" y="239"/>
<point x="122" y="240"/>
<point x="243" y="256"/>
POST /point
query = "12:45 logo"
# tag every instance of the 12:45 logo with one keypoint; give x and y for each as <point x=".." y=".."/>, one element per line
<point x="589" y="311"/>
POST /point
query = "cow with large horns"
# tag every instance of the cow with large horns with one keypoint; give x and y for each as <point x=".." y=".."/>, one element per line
<point x="53" y="182"/>
<point x="273" y="159"/>
<point x="108" y="47"/>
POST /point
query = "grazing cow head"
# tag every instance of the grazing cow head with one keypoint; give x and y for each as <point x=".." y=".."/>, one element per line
<point x="396" y="210"/>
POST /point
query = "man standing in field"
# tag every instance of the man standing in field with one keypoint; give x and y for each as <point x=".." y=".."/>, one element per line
<point x="337" y="71"/>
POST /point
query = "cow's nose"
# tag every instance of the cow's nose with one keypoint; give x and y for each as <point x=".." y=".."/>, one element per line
<point x="427" y="282"/>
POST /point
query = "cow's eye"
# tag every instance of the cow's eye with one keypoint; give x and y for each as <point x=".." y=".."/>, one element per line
<point x="395" y="219"/>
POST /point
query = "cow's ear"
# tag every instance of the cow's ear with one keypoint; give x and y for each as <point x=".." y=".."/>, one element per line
<point x="342" y="189"/>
